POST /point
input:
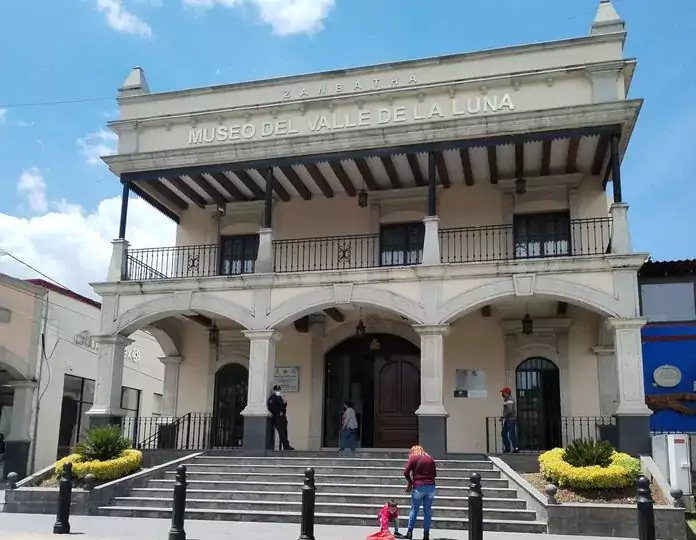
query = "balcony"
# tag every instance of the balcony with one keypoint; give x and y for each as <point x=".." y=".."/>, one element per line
<point x="574" y="238"/>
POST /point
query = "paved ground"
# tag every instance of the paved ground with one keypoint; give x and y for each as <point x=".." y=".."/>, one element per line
<point x="40" y="527"/>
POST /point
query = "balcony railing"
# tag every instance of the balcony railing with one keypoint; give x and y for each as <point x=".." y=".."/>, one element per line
<point x="538" y="433"/>
<point x="327" y="253"/>
<point x="500" y="243"/>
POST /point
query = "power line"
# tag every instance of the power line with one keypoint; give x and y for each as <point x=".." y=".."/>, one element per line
<point x="56" y="102"/>
<point x="49" y="278"/>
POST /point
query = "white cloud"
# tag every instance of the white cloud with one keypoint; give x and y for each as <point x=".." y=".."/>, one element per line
<point x="31" y="184"/>
<point x="96" y="145"/>
<point x="25" y="124"/>
<point x="3" y="112"/>
<point x="285" y="17"/>
<point x="122" y="20"/>
<point x="74" y="247"/>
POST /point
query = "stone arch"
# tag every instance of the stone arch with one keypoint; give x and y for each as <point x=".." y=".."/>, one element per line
<point x="13" y="368"/>
<point x="166" y="333"/>
<point x="558" y="289"/>
<point x="361" y="295"/>
<point x="381" y="326"/>
<point x="167" y="306"/>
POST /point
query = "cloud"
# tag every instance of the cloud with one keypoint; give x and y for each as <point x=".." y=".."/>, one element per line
<point x="31" y="184"/>
<point x="286" y="17"/>
<point x="74" y="247"/>
<point x="122" y="20"/>
<point x="25" y="124"/>
<point x="96" y="145"/>
<point x="3" y="113"/>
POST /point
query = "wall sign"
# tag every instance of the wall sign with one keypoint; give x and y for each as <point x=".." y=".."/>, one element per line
<point x="667" y="376"/>
<point x="357" y="85"/>
<point x="470" y="383"/>
<point x="288" y="378"/>
<point x="85" y="339"/>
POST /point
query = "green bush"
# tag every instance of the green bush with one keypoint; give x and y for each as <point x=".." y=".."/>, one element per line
<point x="102" y="444"/>
<point x="588" y="453"/>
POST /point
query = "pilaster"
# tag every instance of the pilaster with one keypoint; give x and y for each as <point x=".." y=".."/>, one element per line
<point x="170" y="396"/>
<point x="620" y="233"/>
<point x="431" y="241"/>
<point x="264" y="258"/>
<point x="18" y="442"/>
<point x="118" y="266"/>
<point x="107" y="391"/>
<point x="317" y="327"/>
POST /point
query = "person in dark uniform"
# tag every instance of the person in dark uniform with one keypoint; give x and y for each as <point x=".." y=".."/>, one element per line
<point x="278" y="407"/>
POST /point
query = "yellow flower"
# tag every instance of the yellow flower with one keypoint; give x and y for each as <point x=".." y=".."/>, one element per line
<point x="621" y="473"/>
<point x="127" y="463"/>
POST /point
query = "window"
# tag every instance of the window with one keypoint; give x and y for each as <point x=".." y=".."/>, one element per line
<point x="238" y="254"/>
<point x="542" y="235"/>
<point x="5" y="315"/>
<point x="78" y="397"/>
<point x="130" y="401"/>
<point x="402" y="244"/>
<point x="668" y="302"/>
<point x="157" y="400"/>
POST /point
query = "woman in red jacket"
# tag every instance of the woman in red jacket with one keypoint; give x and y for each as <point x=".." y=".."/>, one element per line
<point x="420" y="473"/>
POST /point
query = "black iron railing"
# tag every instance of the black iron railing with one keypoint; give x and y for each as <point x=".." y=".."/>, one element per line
<point x="537" y="434"/>
<point x="193" y="431"/>
<point x="172" y="262"/>
<point x="331" y="253"/>
<point x="500" y="243"/>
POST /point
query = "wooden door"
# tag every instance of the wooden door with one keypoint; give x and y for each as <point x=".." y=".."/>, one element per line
<point x="397" y="396"/>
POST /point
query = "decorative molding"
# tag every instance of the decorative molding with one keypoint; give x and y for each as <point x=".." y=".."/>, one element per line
<point x="343" y="293"/>
<point x="541" y="326"/>
<point x="524" y="284"/>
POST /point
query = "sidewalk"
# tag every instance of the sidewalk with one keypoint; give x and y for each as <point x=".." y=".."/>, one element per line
<point x="40" y="527"/>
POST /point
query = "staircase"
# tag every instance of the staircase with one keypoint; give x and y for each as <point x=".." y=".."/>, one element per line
<point x="350" y="491"/>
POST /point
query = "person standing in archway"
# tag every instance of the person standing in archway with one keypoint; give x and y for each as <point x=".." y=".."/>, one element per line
<point x="278" y="407"/>
<point x="509" y="432"/>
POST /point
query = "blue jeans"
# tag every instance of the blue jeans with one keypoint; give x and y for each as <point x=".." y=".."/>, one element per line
<point x="424" y="495"/>
<point x="349" y="439"/>
<point x="509" y="435"/>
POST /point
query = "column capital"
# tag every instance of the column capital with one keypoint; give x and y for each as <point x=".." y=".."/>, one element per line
<point x="262" y="335"/>
<point x="619" y="323"/>
<point x="618" y="206"/>
<point x="121" y="242"/>
<point x="22" y="385"/>
<point x="112" y="339"/>
<point x="432" y="329"/>
<point x="431" y="219"/>
<point x="603" y="349"/>
<point x="171" y="360"/>
<point x="266" y="231"/>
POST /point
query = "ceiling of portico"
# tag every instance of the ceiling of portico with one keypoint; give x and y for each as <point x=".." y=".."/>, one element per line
<point x="463" y="162"/>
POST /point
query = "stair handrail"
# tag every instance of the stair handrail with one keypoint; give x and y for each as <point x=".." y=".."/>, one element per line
<point x="153" y="438"/>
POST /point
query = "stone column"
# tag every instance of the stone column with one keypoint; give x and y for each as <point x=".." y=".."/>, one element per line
<point x="257" y="434"/>
<point x="170" y="396"/>
<point x="117" y="266"/>
<point x="107" y="391"/>
<point x="432" y="416"/>
<point x="632" y="414"/>
<point x="264" y="258"/>
<point x="317" y="326"/>
<point x="431" y="241"/>
<point x="18" y="442"/>
<point x="608" y="380"/>
<point x="620" y="233"/>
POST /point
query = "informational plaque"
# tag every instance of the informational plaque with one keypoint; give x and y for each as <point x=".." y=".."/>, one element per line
<point x="470" y="383"/>
<point x="288" y="378"/>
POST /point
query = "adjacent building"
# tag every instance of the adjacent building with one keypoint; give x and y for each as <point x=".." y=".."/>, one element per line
<point x="48" y="371"/>
<point x="668" y="302"/>
<point x="411" y="236"/>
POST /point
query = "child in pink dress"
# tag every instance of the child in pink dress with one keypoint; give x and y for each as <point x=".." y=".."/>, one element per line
<point x="389" y="516"/>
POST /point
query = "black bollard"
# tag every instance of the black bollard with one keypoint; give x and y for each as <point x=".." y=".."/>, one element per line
<point x="309" y="494"/>
<point x="475" y="508"/>
<point x="177" y="531"/>
<point x="646" y="512"/>
<point x="62" y="524"/>
<point x="12" y="480"/>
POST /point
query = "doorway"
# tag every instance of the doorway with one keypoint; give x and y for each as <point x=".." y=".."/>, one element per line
<point x="380" y="374"/>
<point x="538" y="405"/>
<point x="231" y="390"/>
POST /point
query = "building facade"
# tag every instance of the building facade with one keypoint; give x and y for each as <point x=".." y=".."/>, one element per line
<point x="668" y="303"/>
<point x="412" y="237"/>
<point x="48" y="365"/>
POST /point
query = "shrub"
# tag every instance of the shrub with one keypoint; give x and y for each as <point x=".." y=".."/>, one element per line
<point x="621" y="471"/>
<point x="126" y="463"/>
<point x="588" y="453"/>
<point x="102" y="443"/>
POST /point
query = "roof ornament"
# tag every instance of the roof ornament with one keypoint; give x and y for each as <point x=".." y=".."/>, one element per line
<point x="135" y="84"/>
<point x="607" y="20"/>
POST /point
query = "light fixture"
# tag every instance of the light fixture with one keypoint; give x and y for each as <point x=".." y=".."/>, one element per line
<point x="520" y="186"/>
<point x="362" y="198"/>
<point x="214" y="335"/>
<point x="360" y="329"/>
<point x="527" y="325"/>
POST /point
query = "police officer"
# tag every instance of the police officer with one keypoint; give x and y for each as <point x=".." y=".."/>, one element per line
<point x="278" y="407"/>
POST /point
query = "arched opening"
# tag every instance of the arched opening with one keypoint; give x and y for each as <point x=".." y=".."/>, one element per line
<point x="538" y="404"/>
<point x="231" y="390"/>
<point x="380" y="374"/>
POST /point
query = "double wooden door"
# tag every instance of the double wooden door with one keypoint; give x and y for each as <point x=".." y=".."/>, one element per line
<point x="397" y="396"/>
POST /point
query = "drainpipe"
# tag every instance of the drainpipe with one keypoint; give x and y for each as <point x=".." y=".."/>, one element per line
<point x="37" y="407"/>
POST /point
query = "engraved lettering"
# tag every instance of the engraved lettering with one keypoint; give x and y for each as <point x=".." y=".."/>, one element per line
<point x="399" y="114"/>
<point x="196" y="136"/>
<point x="221" y="133"/>
<point x="364" y="118"/>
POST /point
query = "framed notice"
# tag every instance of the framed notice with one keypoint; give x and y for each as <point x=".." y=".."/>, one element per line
<point x="288" y="378"/>
<point x="470" y="383"/>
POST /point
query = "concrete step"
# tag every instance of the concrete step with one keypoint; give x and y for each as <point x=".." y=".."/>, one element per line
<point x="328" y="470"/>
<point x="154" y="511"/>
<point x="322" y="507"/>
<point x="376" y="499"/>
<point x="391" y="489"/>
<point x="443" y="481"/>
<point x="338" y="461"/>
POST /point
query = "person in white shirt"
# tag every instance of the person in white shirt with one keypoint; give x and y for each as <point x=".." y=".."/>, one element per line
<point x="349" y="428"/>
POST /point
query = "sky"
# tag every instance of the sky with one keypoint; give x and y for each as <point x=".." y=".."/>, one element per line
<point x="59" y="204"/>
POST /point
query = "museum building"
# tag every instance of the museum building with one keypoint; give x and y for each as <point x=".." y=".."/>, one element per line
<point x="411" y="236"/>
